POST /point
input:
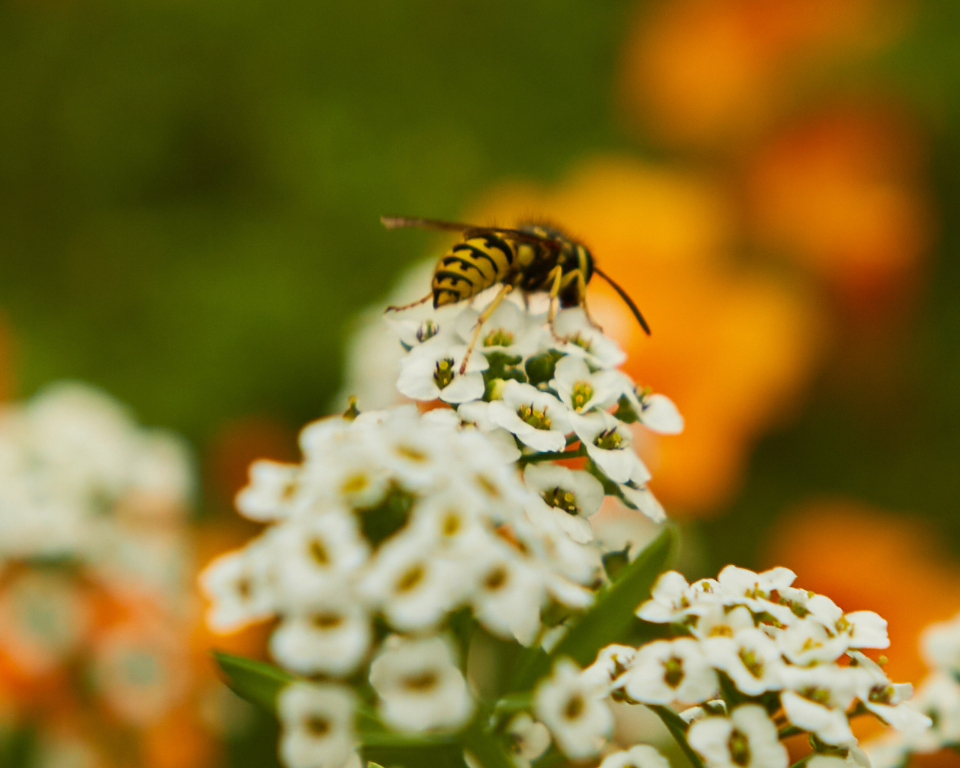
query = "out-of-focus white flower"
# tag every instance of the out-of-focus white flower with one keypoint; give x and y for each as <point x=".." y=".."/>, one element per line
<point x="239" y="587"/>
<point x="509" y="592"/>
<point x="318" y="725"/>
<point x="574" y="710"/>
<point x="419" y="685"/>
<point x="855" y="758"/>
<point x="537" y="418"/>
<point x="573" y="495"/>
<point x="639" y="756"/>
<point x="270" y="493"/>
<point x="509" y="330"/>
<point x="612" y="661"/>
<point x="329" y="635"/>
<point x="411" y="584"/>
<point x="432" y="371"/>
<point x="666" y="671"/>
<point x="940" y="644"/>
<point x="583" y="339"/>
<point x="527" y="739"/>
<point x="745" y="739"/>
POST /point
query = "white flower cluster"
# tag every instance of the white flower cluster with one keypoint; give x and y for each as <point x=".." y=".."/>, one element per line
<point x="77" y="476"/>
<point x="759" y="659"/>
<point x="538" y="390"/>
<point x="938" y="697"/>
<point x="392" y="522"/>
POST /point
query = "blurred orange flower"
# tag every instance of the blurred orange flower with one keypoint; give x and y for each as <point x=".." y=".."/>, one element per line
<point x="841" y="193"/>
<point x="716" y="71"/>
<point x="732" y="346"/>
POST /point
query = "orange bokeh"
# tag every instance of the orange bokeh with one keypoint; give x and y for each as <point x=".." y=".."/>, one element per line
<point x="732" y="346"/>
<point x="841" y="193"/>
<point x="717" y="71"/>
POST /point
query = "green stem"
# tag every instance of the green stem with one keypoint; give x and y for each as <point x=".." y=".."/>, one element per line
<point x="790" y="730"/>
<point x="551" y="456"/>
<point x="678" y="729"/>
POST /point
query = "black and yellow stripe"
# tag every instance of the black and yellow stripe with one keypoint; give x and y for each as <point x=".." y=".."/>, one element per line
<point x="473" y="265"/>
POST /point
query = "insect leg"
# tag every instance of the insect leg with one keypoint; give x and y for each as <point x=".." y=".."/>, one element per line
<point x="555" y="275"/>
<point x="416" y="303"/>
<point x="484" y="316"/>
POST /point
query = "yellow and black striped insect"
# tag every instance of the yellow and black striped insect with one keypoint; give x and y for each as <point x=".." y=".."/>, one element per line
<point x="532" y="257"/>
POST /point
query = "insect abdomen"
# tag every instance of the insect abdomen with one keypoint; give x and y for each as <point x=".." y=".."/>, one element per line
<point x="471" y="266"/>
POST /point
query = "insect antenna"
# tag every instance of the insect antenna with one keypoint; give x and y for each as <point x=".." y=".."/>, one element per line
<point x="627" y="299"/>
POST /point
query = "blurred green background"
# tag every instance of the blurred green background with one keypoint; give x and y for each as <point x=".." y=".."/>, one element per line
<point x="190" y="197"/>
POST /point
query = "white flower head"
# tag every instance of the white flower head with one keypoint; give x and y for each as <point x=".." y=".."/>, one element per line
<point x="611" y="662"/>
<point x="574" y="710"/>
<point x="573" y="495"/>
<point x="537" y="418"/>
<point x="666" y="671"/>
<point x="318" y="725"/>
<point x="940" y="644"/>
<point x="609" y="444"/>
<point x="746" y="739"/>
<point x="419" y="685"/>
<point x="432" y="371"/>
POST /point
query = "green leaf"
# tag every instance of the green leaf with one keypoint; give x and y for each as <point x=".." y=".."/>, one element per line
<point x="611" y="618"/>
<point x="255" y="681"/>
<point x="540" y="368"/>
<point x="447" y="755"/>
<point x="678" y="729"/>
<point x="486" y="748"/>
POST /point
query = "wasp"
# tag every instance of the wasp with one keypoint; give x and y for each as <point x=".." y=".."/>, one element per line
<point x="531" y="257"/>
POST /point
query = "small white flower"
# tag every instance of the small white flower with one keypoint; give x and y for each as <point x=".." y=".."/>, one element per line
<point x="609" y="444"/>
<point x="715" y="621"/>
<point x="940" y="644"/>
<point x="583" y="339"/>
<point x="750" y="658"/>
<point x="528" y="739"/>
<point x="656" y="412"/>
<point x="741" y="582"/>
<point x="419" y="685"/>
<point x="314" y="554"/>
<point x="611" y="663"/>
<point x="537" y="418"/>
<point x="509" y="330"/>
<point x="239" y="586"/>
<point x="477" y="414"/>
<point x="572" y="495"/>
<point x="670" y="601"/>
<point x="864" y="629"/>
<point x="886" y="700"/>
<point x="349" y="474"/>
<point x="828" y="723"/>
<point x="271" y="491"/>
<point x="574" y="710"/>
<point x="543" y="534"/>
<point x="640" y="756"/>
<point x="856" y="758"/>
<point x="665" y="671"/>
<point x="939" y="698"/>
<point x="411" y="584"/>
<point x="807" y="641"/>
<point x="643" y="500"/>
<point x="317" y="722"/>
<point x="508" y="592"/>
<point x="432" y="371"/>
<point x="329" y="635"/>
<point x="582" y="391"/>
<point x="745" y="739"/>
